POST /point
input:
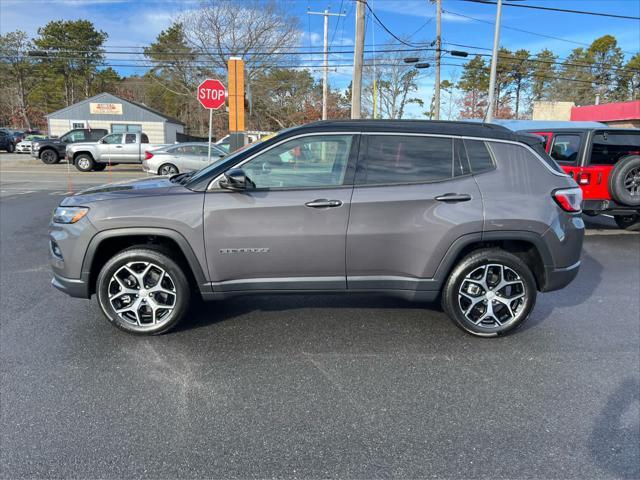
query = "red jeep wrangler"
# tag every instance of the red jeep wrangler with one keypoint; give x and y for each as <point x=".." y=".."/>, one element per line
<point x="605" y="162"/>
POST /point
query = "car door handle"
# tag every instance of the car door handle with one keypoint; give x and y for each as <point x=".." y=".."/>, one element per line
<point x="454" y="197"/>
<point x="323" y="203"/>
<point x="118" y="146"/>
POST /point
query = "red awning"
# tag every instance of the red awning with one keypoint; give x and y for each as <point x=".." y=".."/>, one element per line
<point x="608" y="112"/>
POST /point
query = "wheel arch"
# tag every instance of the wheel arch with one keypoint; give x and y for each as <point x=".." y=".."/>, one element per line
<point x="82" y="152"/>
<point x="528" y="246"/>
<point x="109" y="242"/>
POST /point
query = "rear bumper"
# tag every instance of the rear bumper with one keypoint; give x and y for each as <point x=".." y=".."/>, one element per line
<point x="557" y="278"/>
<point x="608" y="206"/>
<point x="73" y="287"/>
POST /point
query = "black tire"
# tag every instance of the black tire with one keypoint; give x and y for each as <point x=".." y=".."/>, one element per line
<point x="11" y="148"/>
<point x="168" y="169"/>
<point x="628" y="222"/>
<point x="624" y="181"/>
<point x="49" y="156"/>
<point x="99" y="167"/>
<point x="84" y="162"/>
<point x="474" y="262"/>
<point x="136" y="257"/>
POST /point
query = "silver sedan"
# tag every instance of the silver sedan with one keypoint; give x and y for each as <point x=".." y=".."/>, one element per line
<point x="181" y="157"/>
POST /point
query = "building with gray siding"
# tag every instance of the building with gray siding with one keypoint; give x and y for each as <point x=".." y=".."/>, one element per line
<point x="115" y="114"/>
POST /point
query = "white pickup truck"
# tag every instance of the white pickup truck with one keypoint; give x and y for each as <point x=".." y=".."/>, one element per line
<point x="109" y="150"/>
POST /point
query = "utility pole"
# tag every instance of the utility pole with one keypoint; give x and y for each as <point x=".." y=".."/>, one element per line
<point x="494" y="65"/>
<point x="325" y="75"/>
<point x="436" y="96"/>
<point x="356" y="84"/>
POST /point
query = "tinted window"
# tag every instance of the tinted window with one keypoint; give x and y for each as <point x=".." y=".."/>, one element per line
<point x="479" y="157"/>
<point x="461" y="162"/>
<point x="202" y="150"/>
<point x="130" y="138"/>
<point x="97" y="134"/>
<point x="400" y="159"/>
<point x="144" y="138"/>
<point x="565" y="148"/>
<point x="609" y="147"/>
<point x="315" y="161"/>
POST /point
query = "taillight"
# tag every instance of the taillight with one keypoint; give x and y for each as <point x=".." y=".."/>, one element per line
<point x="148" y="155"/>
<point x="584" y="178"/>
<point x="569" y="199"/>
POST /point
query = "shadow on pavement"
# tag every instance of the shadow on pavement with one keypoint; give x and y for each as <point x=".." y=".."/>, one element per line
<point x="614" y="443"/>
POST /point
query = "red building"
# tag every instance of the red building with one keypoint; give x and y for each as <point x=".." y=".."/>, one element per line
<point x="623" y="114"/>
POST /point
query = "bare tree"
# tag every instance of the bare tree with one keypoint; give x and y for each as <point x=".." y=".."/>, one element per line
<point x="16" y="67"/>
<point x="259" y="32"/>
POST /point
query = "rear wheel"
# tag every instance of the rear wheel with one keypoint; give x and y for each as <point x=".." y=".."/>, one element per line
<point x="168" y="169"/>
<point x="49" y="156"/>
<point x="489" y="293"/>
<point x="628" y="222"/>
<point x="84" y="163"/>
<point x="624" y="181"/>
<point x="11" y="148"/>
<point x="143" y="291"/>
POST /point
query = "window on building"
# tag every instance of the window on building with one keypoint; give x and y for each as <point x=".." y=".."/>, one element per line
<point x="126" y="128"/>
<point x="78" y="125"/>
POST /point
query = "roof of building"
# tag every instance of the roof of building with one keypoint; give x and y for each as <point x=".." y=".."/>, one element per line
<point x="462" y="128"/>
<point x="111" y="98"/>
<point x="516" y="125"/>
<point x="608" y="112"/>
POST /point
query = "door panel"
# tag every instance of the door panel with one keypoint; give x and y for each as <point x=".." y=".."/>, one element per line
<point x="398" y="234"/>
<point x="274" y="236"/>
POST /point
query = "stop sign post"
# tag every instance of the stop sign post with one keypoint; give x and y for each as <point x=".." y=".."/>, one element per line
<point x="212" y="95"/>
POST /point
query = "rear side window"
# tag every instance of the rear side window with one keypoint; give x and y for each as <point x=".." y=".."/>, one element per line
<point x="144" y="138"/>
<point x="405" y="159"/>
<point x="609" y="147"/>
<point x="479" y="156"/>
<point x="565" y="148"/>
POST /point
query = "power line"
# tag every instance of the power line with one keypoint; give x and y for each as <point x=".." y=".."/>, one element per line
<point x="526" y="31"/>
<point x="553" y="9"/>
<point x="385" y="27"/>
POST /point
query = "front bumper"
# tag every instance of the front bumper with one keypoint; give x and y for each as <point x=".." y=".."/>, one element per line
<point x="78" y="288"/>
<point x="23" y="149"/>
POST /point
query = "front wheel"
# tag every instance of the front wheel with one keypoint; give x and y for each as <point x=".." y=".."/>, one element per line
<point x="143" y="291"/>
<point x="628" y="222"/>
<point x="168" y="169"/>
<point x="489" y="293"/>
<point x="84" y="163"/>
<point x="49" y="157"/>
<point x="11" y="148"/>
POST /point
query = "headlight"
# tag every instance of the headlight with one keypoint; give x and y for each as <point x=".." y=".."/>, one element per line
<point x="69" y="214"/>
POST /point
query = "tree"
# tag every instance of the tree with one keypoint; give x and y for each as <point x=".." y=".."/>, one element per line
<point x="73" y="50"/>
<point x="542" y="75"/>
<point x="606" y="59"/>
<point x="106" y="80"/>
<point x="16" y="70"/>
<point x="474" y="83"/>
<point x="630" y="79"/>
<point x="575" y="82"/>
<point x="520" y="73"/>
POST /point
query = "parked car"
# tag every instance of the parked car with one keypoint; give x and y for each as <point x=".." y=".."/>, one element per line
<point x="25" y="145"/>
<point x="182" y="157"/>
<point x="113" y="149"/>
<point x="473" y="213"/>
<point x="7" y="142"/>
<point x="606" y="164"/>
<point x="52" y="150"/>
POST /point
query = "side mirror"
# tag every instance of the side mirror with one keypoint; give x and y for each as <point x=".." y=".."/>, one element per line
<point x="236" y="179"/>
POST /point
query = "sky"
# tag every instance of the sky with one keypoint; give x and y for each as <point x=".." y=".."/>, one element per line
<point x="138" y="22"/>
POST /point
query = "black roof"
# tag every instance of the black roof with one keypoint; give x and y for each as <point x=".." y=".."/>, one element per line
<point x="468" y="129"/>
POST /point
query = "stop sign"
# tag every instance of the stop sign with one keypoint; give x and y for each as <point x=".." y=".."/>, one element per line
<point x="211" y="93"/>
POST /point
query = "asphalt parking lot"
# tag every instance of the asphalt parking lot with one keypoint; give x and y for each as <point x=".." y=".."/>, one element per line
<point x="311" y="386"/>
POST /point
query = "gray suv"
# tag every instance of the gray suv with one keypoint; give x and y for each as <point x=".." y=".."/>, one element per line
<point x="470" y="213"/>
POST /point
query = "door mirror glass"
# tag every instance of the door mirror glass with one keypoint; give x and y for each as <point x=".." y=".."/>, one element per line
<point x="236" y="179"/>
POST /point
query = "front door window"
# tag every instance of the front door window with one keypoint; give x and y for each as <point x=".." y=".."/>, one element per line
<point x="307" y="162"/>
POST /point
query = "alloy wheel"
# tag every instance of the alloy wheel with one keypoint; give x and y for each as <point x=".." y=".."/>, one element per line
<point x="492" y="296"/>
<point x="142" y="294"/>
<point x="84" y="163"/>
<point x="168" y="170"/>
<point x="632" y="181"/>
